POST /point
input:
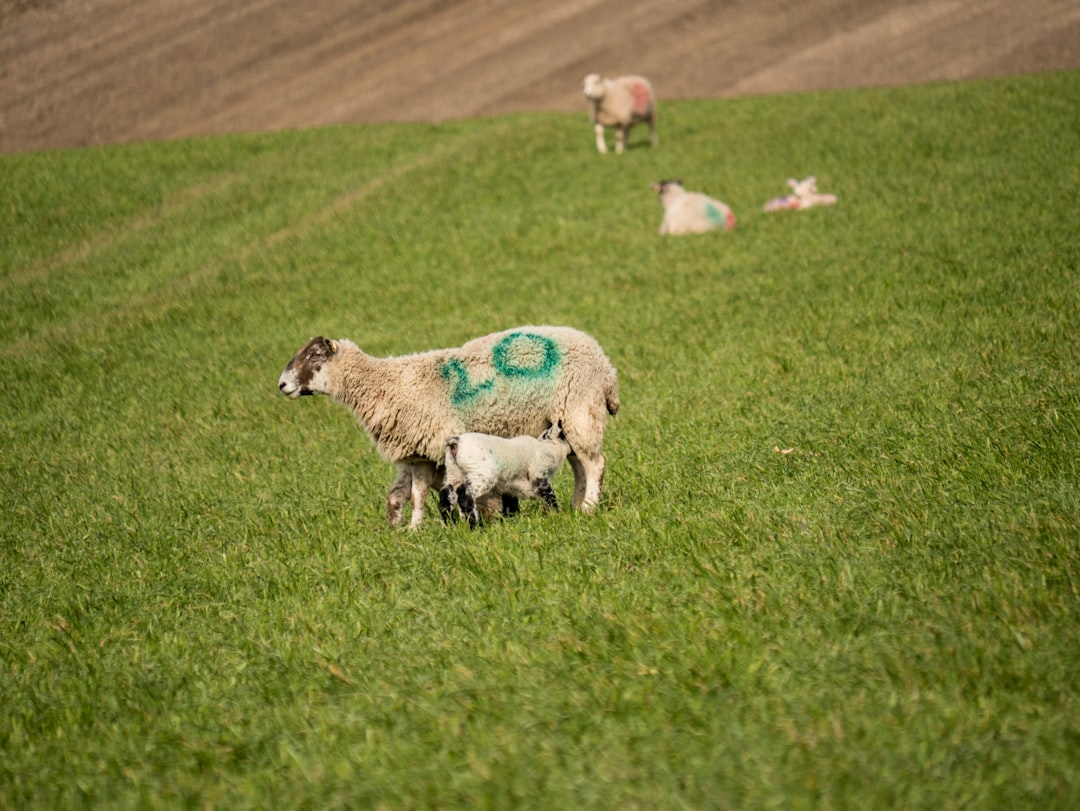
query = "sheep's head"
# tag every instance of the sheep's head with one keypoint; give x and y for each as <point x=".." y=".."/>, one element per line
<point x="667" y="188"/>
<point x="594" y="87"/>
<point x="306" y="372"/>
<point x="804" y="187"/>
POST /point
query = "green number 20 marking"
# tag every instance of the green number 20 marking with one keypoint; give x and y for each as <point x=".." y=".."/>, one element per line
<point x="502" y="358"/>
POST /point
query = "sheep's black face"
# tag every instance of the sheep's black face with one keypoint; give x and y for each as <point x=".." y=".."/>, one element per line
<point x="305" y="372"/>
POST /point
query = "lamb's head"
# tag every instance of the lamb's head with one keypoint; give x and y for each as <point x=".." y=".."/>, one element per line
<point x="595" y="87"/>
<point x="805" y="187"/>
<point x="668" y="189"/>
<point x="307" y="371"/>
<point x="557" y="438"/>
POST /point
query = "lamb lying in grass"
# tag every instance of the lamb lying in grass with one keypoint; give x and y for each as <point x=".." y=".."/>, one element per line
<point x="805" y="195"/>
<point x="690" y="212"/>
<point x="620" y="103"/>
<point x="481" y="466"/>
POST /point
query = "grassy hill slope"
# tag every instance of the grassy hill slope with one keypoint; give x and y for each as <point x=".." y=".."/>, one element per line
<point x="836" y="563"/>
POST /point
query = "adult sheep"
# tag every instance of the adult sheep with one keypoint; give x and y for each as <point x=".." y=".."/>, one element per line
<point x="620" y="103"/>
<point x="520" y="381"/>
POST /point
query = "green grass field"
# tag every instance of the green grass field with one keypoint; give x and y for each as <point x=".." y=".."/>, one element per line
<point x="836" y="564"/>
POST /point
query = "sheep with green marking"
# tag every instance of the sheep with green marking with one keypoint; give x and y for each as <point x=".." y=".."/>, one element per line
<point x="511" y="383"/>
<point x="690" y="212"/>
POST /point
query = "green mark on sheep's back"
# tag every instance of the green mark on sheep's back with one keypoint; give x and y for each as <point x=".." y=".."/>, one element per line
<point x="464" y="391"/>
<point x="524" y="354"/>
<point x="518" y="356"/>
<point x="715" y="215"/>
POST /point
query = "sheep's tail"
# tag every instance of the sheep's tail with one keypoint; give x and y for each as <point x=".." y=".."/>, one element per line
<point x="611" y="396"/>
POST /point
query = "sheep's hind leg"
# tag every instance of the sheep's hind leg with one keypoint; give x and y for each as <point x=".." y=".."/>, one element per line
<point x="399" y="492"/>
<point x="588" y="480"/>
<point x="620" y="140"/>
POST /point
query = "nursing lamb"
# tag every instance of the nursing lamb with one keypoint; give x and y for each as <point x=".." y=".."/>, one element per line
<point x="481" y="465"/>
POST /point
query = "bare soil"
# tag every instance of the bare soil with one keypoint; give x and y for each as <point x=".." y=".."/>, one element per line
<point x="82" y="72"/>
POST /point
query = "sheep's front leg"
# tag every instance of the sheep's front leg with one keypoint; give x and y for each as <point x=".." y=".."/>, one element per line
<point x="652" y="133"/>
<point x="447" y="502"/>
<point x="469" y="507"/>
<point x="588" y="480"/>
<point x="601" y="147"/>
<point x="399" y="491"/>
<point x="423" y="475"/>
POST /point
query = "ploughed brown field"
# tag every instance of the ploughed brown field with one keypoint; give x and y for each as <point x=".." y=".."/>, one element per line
<point x="81" y="72"/>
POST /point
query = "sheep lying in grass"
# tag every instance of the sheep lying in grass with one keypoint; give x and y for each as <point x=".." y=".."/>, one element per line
<point x="689" y="212"/>
<point x="511" y="383"/>
<point x="620" y="103"/>
<point x="481" y="465"/>
<point x="805" y="195"/>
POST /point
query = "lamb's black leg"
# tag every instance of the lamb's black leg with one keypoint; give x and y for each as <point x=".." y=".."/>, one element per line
<point x="545" y="491"/>
<point x="468" y="507"/>
<point x="446" y="505"/>
<point x="510" y="504"/>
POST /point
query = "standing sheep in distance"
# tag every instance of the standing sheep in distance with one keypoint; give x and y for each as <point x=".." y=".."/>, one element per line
<point x="620" y="103"/>
<point x="511" y="383"/>
<point x="482" y="465"/>
<point x="690" y="212"/>
<point x="805" y="196"/>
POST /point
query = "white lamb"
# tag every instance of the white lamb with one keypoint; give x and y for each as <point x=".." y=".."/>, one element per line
<point x="690" y="212"/>
<point x="805" y="195"/>
<point x="620" y="103"/>
<point x="479" y="466"/>
<point x="511" y="383"/>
